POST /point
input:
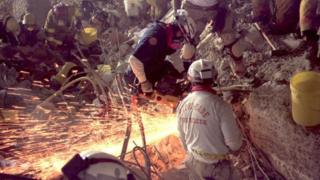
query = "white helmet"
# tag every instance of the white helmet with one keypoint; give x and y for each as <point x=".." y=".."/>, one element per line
<point x="96" y="165"/>
<point x="185" y="23"/>
<point x="202" y="71"/>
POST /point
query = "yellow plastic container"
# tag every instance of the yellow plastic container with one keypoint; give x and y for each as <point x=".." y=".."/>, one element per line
<point x="305" y="96"/>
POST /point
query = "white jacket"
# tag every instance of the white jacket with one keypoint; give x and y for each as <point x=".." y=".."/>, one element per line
<point x="207" y="124"/>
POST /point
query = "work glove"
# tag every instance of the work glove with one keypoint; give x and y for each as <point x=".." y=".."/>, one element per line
<point x="146" y="87"/>
<point x="188" y="51"/>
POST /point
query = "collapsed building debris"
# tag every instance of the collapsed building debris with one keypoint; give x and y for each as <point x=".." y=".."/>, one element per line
<point x="292" y="149"/>
<point x="37" y="144"/>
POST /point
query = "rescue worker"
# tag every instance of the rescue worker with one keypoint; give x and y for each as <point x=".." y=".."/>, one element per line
<point x="31" y="39"/>
<point x="222" y="22"/>
<point x="60" y="26"/>
<point x="96" y="165"/>
<point x="9" y="29"/>
<point x="288" y="15"/>
<point x="89" y="44"/>
<point x="30" y="33"/>
<point x="103" y="20"/>
<point x="207" y="127"/>
<point x="148" y="62"/>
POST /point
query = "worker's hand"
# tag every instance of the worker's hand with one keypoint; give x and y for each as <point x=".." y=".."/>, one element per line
<point x="188" y="51"/>
<point x="146" y="87"/>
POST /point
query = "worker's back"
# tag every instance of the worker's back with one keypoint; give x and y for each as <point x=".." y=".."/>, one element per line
<point x="208" y="125"/>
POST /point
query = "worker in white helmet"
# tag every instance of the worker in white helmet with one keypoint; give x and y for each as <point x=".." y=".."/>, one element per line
<point x="207" y="127"/>
<point x="95" y="165"/>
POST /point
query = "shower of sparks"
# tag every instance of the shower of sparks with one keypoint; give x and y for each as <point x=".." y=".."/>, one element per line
<point x="40" y="148"/>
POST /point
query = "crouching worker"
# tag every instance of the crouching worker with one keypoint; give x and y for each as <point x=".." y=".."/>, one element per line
<point x="207" y="127"/>
<point x="60" y="28"/>
<point x="148" y="64"/>
<point x="89" y="45"/>
<point x="31" y="40"/>
<point x="286" y="16"/>
<point x="9" y="29"/>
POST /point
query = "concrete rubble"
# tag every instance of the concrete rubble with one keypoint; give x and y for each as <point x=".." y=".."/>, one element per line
<point x="284" y="149"/>
<point x="292" y="150"/>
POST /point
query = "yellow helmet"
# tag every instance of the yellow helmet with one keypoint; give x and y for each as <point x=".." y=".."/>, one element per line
<point x="87" y="35"/>
<point x="12" y="25"/>
<point x="29" y="19"/>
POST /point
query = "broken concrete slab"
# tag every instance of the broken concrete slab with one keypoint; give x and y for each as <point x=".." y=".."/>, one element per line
<point x="293" y="151"/>
<point x="286" y="66"/>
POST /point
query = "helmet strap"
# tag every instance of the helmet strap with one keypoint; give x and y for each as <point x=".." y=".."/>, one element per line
<point x="184" y="31"/>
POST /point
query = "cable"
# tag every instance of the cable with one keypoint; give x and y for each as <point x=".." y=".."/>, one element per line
<point x="147" y="167"/>
<point x="254" y="161"/>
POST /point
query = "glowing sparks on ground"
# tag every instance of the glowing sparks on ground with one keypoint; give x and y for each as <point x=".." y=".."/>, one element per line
<point x="42" y="147"/>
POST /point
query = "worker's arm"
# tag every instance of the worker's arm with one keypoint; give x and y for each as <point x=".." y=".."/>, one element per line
<point x="308" y="15"/>
<point x="49" y="29"/>
<point x="230" y="130"/>
<point x="49" y="25"/>
<point x="137" y="68"/>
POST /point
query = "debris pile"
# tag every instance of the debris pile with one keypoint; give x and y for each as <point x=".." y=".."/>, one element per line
<point x="292" y="150"/>
<point x="69" y="123"/>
